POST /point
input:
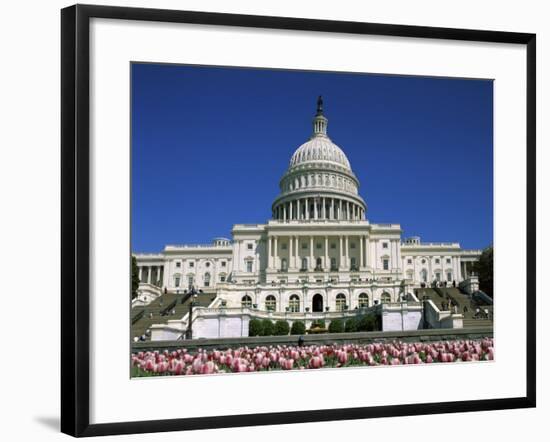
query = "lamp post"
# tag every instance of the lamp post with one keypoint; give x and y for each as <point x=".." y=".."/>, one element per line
<point x="193" y="294"/>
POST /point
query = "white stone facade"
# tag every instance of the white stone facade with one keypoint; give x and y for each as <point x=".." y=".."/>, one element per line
<point x="318" y="253"/>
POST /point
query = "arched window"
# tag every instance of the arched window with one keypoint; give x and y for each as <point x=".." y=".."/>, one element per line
<point x="284" y="265"/>
<point x="385" y="298"/>
<point x="270" y="303"/>
<point x="246" y="301"/>
<point x="363" y="300"/>
<point x="207" y="279"/>
<point x="304" y="264"/>
<point x="340" y="302"/>
<point x="294" y="303"/>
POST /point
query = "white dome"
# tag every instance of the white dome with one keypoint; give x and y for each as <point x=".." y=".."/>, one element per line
<point x="320" y="149"/>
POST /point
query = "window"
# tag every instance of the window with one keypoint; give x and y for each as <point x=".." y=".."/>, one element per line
<point x="178" y="264"/>
<point x="284" y="265"/>
<point x="437" y="260"/>
<point x="423" y="261"/>
<point x="353" y="263"/>
<point x="304" y="263"/>
<point x="246" y="301"/>
<point x="424" y="275"/>
<point x="270" y="303"/>
<point x="294" y="303"/>
<point x="177" y="281"/>
<point x="318" y="264"/>
<point x="191" y="264"/>
<point x="190" y="280"/>
<point x="352" y="245"/>
<point x="222" y="278"/>
<point x="207" y="265"/>
<point x="332" y="245"/>
<point x="283" y="246"/>
<point x="448" y="260"/>
<point x="384" y="245"/>
<point x="250" y="246"/>
<point x="385" y="298"/>
<point x="363" y="300"/>
<point x="304" y="245"/>
<point x="319" y="245"/>
<point x="207" y="279"/>
<point x="409" y="261"/>
<point x="340" y="302"/>
<point x="438" y="276"/>
<point x="449" y="276"/>
<point x="249" y="266"/>
<point x="386" y="264"/>
<point x="333" y="264"/>
<point x="223" y="263"/>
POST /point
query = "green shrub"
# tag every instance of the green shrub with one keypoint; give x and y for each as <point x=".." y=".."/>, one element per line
<point x="298" y="328"/>
<point x="368" y="323"/>
<point x="352" y="325"/>
<point x="255" y="328"/>
<point x="281" y="328"/>
<point x="268" y="328"/>
<point x="336" y="326"/>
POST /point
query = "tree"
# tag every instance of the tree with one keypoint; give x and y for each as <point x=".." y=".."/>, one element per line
<point x="281" y="328"/>
<point x="336" y="326"/>
<point x="484" y="269"/>
<point x="367" y="323"/>
<point x="298" y="328"/>
<point x="255" y="327"/>
<point x="268" y="328"/>
<point x="135" y="277"/>
<point x="351" y="325"/>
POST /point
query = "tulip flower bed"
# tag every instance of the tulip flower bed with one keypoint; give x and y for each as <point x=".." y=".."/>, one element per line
<point x="283" y="357"/>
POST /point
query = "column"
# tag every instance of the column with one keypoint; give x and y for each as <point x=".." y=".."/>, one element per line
<point x="332" y="208"/>
<point x="291" y="252"/>
<point x="269" y="251"/>
<point x="340" y="211"/>
<point x="327" y="263"/>
<point x="367" y="252"/>
<point x="140" y="273"/>
<point x="346" y="247"/>
<point x="361" y="260"/>
<point x="149" y="268"/>
<point x="275" y="260"/>
<point x="340" y="253"/>
<point x="311" y="263"/>
<point x="349" y="218"/>
<point x="315" y="209"/>
<point x="307" y="209"/>
<point x="295" y="253"/>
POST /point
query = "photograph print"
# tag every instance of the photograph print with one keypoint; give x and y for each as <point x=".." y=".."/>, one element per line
<point x="297" y="220"/>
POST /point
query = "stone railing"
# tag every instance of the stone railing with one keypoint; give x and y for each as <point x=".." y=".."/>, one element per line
<point x="435" y="318"/>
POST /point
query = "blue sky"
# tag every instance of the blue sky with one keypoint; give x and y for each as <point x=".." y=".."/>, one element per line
<point x="210" y="144"/>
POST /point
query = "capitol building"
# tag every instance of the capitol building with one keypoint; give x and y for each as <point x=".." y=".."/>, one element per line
<point x="318" y="256"/>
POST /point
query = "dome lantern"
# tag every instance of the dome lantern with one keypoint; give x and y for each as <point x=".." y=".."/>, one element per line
<point x="320" y="122"/>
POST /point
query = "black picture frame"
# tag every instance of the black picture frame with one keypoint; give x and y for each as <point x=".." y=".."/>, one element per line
<point x="75" y="212"/>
